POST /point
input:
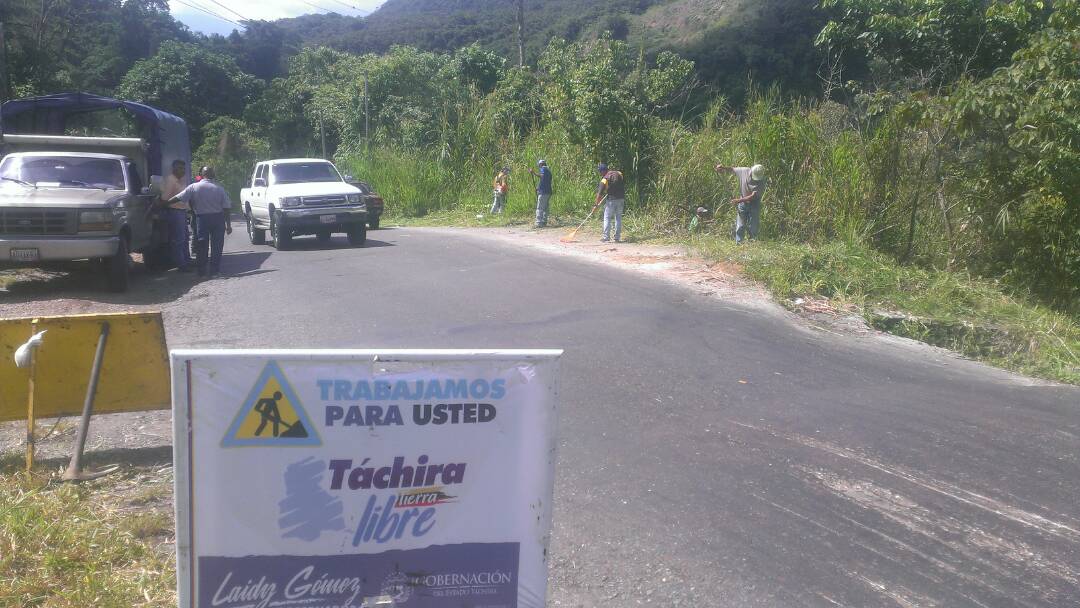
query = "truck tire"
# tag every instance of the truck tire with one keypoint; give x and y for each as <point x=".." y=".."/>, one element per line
<point x="116" y="268"/>
<point x="282" y="238"/>
<point x="374" y="223"/>
<point x="257" y="236"/>
<point x="357" y="235"/>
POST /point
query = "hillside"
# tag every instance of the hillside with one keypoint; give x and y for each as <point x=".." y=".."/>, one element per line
<point x="447" y="25"/>
<point x="771" y="40"/>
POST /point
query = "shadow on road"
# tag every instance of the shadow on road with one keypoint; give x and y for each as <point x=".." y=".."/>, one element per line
<point x="243" y="263"/>
<point x="337" y="242"/>
<point x="86" y="281"/>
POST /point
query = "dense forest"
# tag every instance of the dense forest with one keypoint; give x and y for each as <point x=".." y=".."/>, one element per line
<point x="943" y="133"/>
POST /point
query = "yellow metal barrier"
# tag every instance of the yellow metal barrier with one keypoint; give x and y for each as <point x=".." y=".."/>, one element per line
<point x="134" y="373"/>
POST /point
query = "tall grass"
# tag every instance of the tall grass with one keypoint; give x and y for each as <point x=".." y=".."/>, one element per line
<point x="824" y="174"/>
<point x="417" y="183"/>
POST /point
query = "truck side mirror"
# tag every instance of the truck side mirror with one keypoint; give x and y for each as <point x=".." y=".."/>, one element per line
<point x="349" y="179"/>
<point x="258" y="183"/>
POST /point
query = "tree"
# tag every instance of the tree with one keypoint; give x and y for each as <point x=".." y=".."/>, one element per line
<point x="82" y="44"/>
<point x="478" y="67"/>
<point x="1024" y="120"/>
<point x="516" y="102"/>
<point x="605" y="93"/>
<point x="918" y="44"/>
<point x="191" y="82"/>
<point x="232" y="148"/>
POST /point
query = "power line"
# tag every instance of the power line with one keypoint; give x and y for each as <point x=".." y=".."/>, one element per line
<point x="211" y="13"/>
<point x="321" y="8"/>
<point x="357" y="9"/>
<point x="242" y="18"/>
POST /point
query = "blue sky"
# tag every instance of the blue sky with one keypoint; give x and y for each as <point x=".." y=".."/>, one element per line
<point x="201" y="21"/>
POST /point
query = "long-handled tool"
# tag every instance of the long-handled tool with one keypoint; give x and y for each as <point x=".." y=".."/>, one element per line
<point x="74" y="471"/>
<point x="570" y="237"/>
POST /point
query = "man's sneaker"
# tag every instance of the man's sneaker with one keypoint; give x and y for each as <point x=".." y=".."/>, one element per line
<point x="604" y="240"/>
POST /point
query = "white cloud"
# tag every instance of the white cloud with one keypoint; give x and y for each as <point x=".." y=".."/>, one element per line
<point x="200" y="20"/>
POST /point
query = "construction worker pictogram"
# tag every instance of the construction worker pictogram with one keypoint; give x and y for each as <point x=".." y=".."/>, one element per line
<point x="272" y="415"/>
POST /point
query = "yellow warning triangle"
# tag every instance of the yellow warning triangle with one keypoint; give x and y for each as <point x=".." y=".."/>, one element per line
<point x="272" y="415"/>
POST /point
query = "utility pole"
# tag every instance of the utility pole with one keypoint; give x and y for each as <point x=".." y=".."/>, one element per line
<point x="322" y="135"/>
<point x="521" y="32"/>
<point x="3" y="66"/>
<point x="367" y="136"/>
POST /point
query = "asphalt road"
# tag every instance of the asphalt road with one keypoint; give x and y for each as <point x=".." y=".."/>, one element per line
<point x="710" y="454"/>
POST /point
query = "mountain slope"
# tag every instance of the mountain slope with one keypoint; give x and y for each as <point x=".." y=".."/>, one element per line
<point x="731" y="41"/>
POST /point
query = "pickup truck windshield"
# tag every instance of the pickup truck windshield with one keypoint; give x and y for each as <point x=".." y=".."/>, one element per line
<point x="64" y="171"/>
<point x="297" y="173"/>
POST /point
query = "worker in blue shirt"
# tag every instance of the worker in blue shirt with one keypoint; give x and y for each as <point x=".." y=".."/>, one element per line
<point x="543" y="193"/>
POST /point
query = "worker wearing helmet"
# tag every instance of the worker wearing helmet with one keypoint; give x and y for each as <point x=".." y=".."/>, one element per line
<point x="748" y="203"/>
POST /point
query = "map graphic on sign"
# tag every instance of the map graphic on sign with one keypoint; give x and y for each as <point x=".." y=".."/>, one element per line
<point x="272" y="415"/>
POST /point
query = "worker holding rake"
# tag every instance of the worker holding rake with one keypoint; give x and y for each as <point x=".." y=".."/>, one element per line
<point x="613" y="188"/>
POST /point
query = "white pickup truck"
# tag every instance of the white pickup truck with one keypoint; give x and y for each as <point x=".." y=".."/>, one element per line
<point x="294" y="196"/>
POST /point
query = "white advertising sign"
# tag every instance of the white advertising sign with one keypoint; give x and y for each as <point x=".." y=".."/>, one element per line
<point x="339" y="479"/>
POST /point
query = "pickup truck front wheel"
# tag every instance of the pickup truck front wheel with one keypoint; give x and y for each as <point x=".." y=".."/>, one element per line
<point x="281" y="236"/>
<point x="257" y="236"/>
<point x="357" y="235"/>
<point x="117" y="267"/>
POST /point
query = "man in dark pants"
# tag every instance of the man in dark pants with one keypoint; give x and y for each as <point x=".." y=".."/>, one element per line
<point x="611" y="188"/>
<point x="211" y="205"/>
<point x="176" y="216"/>
<point x="543" y="193"/>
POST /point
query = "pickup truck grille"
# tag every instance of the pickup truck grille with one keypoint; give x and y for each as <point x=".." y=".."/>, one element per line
<point x="22" y="220"/>
<point x="323" y="201"/>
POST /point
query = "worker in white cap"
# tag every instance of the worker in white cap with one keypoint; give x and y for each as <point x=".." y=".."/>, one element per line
<point x="748" y="203"/>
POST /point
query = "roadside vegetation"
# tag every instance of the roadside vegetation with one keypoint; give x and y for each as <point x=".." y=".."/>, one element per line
<point x="105" y="543"/>
<point x="950" y="309"/>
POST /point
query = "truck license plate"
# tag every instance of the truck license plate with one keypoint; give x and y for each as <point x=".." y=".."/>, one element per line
<point x="328" y="219"/>
<point x="24" y="255"/>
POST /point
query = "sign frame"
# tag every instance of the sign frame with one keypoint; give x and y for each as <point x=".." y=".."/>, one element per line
<point x="184" y="443"/>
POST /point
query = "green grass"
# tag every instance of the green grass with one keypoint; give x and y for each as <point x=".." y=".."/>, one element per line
<point x="68" y="546"/>
<point x="974" y="317"/>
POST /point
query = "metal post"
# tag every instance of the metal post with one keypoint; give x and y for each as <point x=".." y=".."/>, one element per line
<point x="3" y="66"/>
<point x="74" y="471"/>
<point x="30" y="407"/>
<point x="521" y="32"/>
<point x="367" y="145"/>
<point x="322" y="135"/>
